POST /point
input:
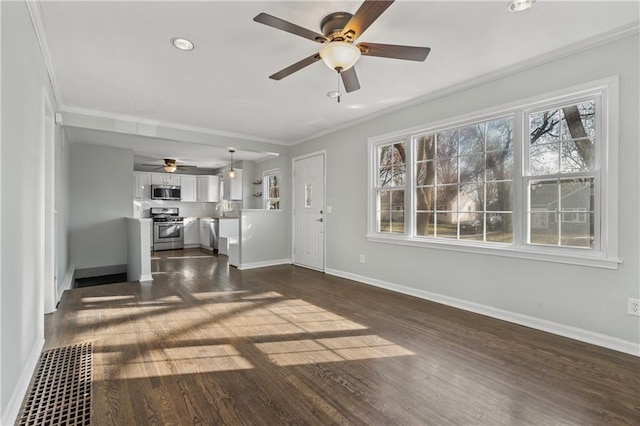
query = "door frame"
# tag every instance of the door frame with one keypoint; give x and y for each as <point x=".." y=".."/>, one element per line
<point x="48" y="214"/>
<point x="322" y="152"/>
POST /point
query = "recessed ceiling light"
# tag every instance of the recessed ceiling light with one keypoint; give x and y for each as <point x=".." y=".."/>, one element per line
<point x="182" y="43"/>
<point x="520" y="5"/>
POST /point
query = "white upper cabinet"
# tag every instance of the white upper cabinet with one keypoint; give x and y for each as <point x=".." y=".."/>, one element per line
<point x="165" y="179"/>
<point x="208" y="189"/>
<point x="141" y="186"/>
<point x="188" y="188"/>
<point x="233" y="187"/>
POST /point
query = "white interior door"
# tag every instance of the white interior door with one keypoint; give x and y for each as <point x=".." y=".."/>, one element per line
<point x="308" y="211"/>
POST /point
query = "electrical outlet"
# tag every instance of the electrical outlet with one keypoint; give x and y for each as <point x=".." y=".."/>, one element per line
<point x="633" y="307"/>
<point x="362" y="258"/>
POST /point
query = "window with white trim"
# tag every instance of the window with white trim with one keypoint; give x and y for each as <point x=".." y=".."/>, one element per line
<point x="271" y="190"/>
<point x="527" y="180"/>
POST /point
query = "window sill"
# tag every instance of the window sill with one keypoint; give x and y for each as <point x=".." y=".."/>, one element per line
<point x="544" y="255"/>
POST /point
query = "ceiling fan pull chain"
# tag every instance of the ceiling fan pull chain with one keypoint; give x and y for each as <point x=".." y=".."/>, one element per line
<point x="338" y="84"/>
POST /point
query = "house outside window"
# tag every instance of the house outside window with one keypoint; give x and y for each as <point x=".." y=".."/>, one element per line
<point x="271" y="190"/>
<point x="530" y="179"/>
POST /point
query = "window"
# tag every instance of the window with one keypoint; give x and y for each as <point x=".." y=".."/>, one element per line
<point x="390" y="187"/>
<point x="464" y="181"/>
<point x="526" y="180"/>
<point x="271" y="182"/>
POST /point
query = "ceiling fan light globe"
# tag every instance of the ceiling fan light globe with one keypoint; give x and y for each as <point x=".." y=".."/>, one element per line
<point x="340" y="55"/>
<point x="170" y="168"/>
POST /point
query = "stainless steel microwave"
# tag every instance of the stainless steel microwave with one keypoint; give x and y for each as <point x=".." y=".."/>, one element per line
<point x="165" y="192"/>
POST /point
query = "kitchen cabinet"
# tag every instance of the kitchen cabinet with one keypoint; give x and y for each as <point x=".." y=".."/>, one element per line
<point x="188" y="188"/>
<point x="233" y="187"/>
<point x="191" y="232"/>
<point x="208" y="189"/>
<point x="141" y="186"/>
<point x="165" y="179"/>
<point x="205" y="234"/>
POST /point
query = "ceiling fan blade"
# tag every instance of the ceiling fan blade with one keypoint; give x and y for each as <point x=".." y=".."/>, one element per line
<point x="411" y="53"/>
<point x="295" y="67"/>
<point x="280" y="24"/>
<point x="368" y="12"/>
<point x="350" y="79"/>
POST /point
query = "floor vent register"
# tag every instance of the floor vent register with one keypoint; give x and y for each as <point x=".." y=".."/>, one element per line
<point x="60" y="391"/>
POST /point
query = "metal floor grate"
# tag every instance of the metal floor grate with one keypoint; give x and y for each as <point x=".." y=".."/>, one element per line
<point x="60" y="392"/>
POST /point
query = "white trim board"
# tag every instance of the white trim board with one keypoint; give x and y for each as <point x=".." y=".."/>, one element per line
<point x="575" y="333"/>
<point x="10" y="414"/>
<point x="263" y="264"/>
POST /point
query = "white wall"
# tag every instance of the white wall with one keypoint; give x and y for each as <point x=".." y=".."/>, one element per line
<point x="24" y="77"/>
<point x="101" y="191"/>
<point x="589" y="299"/>
<point x="263" y="238"/>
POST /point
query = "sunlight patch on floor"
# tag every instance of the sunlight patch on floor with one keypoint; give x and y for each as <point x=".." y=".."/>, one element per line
<point x="311" y="351"/>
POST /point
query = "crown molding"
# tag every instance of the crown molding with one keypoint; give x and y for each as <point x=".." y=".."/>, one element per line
<point x="572" y="49"/>
<point x="36" y="19"/>
<point x="166" y="124"/>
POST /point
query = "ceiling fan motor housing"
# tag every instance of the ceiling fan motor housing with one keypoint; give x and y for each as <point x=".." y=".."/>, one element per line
<point x="333" y="23"/>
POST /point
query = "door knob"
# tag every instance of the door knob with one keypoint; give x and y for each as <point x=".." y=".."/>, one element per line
<point x="320" y="220"/>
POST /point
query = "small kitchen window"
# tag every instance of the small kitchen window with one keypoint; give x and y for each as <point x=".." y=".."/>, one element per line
<point x="271" y="190"/>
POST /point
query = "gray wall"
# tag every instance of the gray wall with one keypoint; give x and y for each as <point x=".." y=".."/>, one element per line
<point x="582" y="297"/>
<point x="23" y="82"/>
<point x="101" y="191"/>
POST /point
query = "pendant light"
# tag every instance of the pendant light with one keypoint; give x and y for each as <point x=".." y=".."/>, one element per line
<point x="232" y="173"/>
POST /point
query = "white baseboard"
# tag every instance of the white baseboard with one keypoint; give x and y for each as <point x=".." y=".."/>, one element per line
<point x="575" y="333"/>
<point x="253" y="265"/>
<point x="10" y="415"/>
<point x="144" y="278"/>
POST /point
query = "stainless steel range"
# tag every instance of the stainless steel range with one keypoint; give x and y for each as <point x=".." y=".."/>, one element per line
<point x="168" y="228"/>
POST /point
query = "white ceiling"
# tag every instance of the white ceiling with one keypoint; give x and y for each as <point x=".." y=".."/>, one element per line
<point x="115" y="57"/>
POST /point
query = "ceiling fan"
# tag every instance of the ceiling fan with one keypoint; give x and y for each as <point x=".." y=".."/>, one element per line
<point x="339" y="31"/>
<point x="170" y="166"/>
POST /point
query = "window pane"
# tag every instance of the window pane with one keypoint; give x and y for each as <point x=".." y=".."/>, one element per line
<point x="576" y="212"/>
<point x="500" y="227"/>
<point x="544" y="195"/>
<point x="425" y="148"/>
<point x="425" y="173"/>
<point x="397" y="200"/>
<point x="544" y="127"/>
<point x="472" y="168"/>
<point x="384" y="155"/>
<point x="397" y="222"/>
<point x="577" y="230"/>
<point x="446" y="226"/>
<point x="544" y="228"/>
<point x="500" y="196"/>
<point x="447" y="197"/>
<point x="472" y="139"/>
<point x="448" y="143"/>
<point x="384" y="221"/>
<point x="425" y="198"/>
<point x="499" y="134"/>
<point x="499" y="165"/>
<point x="544" y="159"/>
<point x="472" y="226"/>
<point x="424" y="224"/>
<point x="471" y="199"/>
<point x="399" y="168"/>
<point x="577" y="156"/>
<point x="384" y="200"/>
<point x="447" y="169"/>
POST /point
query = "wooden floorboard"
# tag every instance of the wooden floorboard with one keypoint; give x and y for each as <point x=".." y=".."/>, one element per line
<point x="205" y="343"/>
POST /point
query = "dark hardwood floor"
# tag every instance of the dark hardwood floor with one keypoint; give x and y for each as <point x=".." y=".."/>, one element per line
<point x="205" y="343"/>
